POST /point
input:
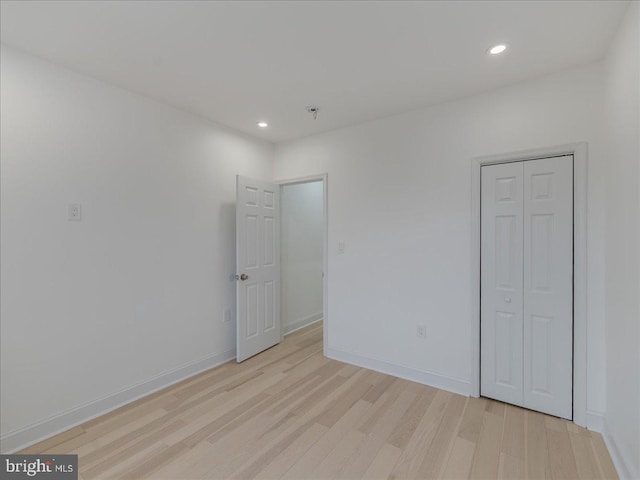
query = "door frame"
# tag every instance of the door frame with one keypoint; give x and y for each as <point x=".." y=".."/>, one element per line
<point x="324" y="178"/>
<point x="579" y="152"/>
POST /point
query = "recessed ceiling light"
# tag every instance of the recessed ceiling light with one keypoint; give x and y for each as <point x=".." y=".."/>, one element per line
<point x="263" y="124"/>
<point x="495" y="50"/>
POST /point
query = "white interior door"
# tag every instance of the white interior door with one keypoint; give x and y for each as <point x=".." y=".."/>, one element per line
<point x="548" y="285"/>
<point x="527" y="284"/>
<point x="501" y="279"/>
<point x="257" y="266"/>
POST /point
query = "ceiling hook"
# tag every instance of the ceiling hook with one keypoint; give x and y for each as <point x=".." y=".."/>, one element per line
<point x="313" y="110"/>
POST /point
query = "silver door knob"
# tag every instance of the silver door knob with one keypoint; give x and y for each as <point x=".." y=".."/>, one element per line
<point x="244" y="276"/>
<point x="507" y="300"/>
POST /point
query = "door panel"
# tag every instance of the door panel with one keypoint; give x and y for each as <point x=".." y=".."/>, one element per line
<point x="541" y="250"/>
<point x="251" y="242"/>
<point x="506" y="250"/>
<point x="507" y="331"/>
<point x="548" y="285"/>
<point x="540" y="354"/>
<point x="527" y="284"/>
<point x="257" y="266"/>
<point x="501" y="295"/>
<point x="269" y="305"/>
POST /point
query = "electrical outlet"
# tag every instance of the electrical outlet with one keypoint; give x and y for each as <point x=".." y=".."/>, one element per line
<point x="226" y="315"/>
<point x="74" y="212"/>
<point x="421" y="331"/>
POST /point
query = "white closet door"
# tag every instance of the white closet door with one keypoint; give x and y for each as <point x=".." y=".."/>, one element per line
<point x="527" y="284"/>
<point x="502" y="288"/>
<point x="548" y="285"/>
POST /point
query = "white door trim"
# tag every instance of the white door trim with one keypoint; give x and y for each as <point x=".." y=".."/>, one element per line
<point x="321" y="177"/>
<point x="579" y="152"/>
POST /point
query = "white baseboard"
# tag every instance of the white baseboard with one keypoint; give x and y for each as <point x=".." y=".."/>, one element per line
<point x="436" y="380"/>
<point x="595" y="421"/>
<point x="36" y="432"/>
<point x="304" y="322"/>
<point x="624" y="467"/>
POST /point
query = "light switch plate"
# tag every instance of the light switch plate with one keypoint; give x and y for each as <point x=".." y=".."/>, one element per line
<point x="74" y="212"/>
<point x="421" y="331"/>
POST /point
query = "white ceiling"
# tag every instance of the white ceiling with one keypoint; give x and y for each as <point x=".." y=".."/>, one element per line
<point x="241" y="62"/>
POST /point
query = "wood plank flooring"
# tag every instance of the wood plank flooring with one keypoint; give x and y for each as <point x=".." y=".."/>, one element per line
<point x="290" y="413"/>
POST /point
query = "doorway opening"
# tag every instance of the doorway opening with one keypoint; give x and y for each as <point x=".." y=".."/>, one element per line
<point x="258" y="263"/>
<point x="303" y="254"/>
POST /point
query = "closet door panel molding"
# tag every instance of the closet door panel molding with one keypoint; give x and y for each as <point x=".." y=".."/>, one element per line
<point x="548" y="285"/>
<point x="502" y="287"/>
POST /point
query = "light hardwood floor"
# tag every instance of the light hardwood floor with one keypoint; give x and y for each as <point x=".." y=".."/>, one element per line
<point x="291" y="413"/>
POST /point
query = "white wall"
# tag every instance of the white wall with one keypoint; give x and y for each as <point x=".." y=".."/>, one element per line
<point x="622" y="108"/>
<point x="301" y="254"/>
<point x="138" y="287"/>
<point x="400" y="197"/>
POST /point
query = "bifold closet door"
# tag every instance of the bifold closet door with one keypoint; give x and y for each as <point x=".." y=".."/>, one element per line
<point x="527" y="284"/>
<point x="502" y="262"/>
<point x="548" y="285"/>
